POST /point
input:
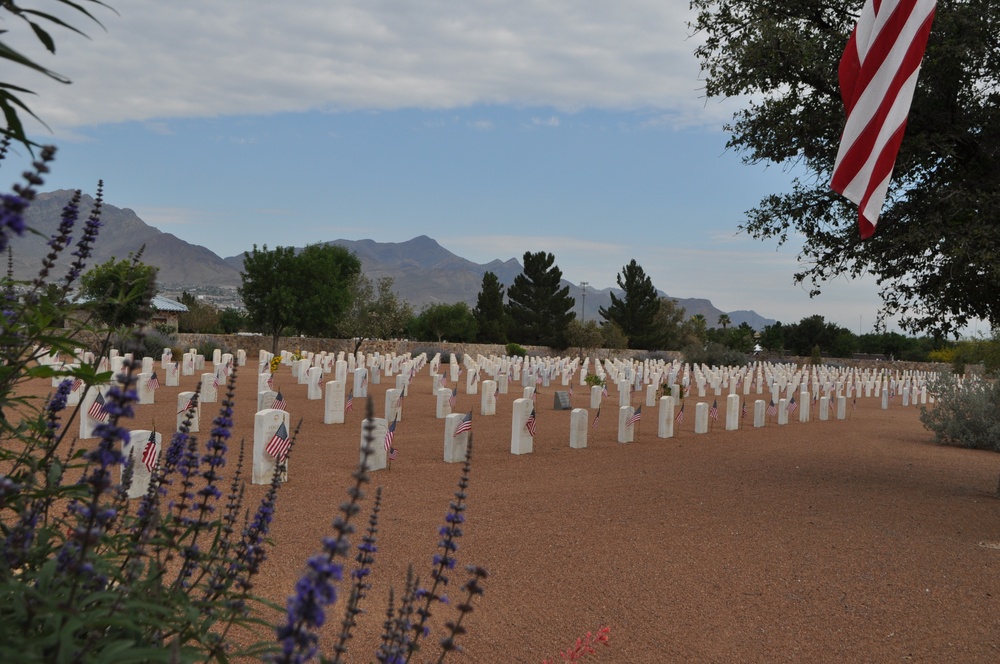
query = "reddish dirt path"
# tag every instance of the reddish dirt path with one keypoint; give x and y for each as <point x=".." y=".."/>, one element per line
<point x="855" y="540"/>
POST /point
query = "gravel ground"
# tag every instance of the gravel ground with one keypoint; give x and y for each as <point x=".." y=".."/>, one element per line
<point x="855" y="540"/>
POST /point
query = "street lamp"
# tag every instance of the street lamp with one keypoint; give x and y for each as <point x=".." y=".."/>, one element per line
<point x="583" y="302"/>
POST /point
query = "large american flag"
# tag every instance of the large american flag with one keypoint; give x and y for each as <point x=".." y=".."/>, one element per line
<point x="465" y="424"/>
<point x="97" y="410"/>
<point x="149" y="453"/>
<point x="878" y="74"/>
<point x="278" y="446"/>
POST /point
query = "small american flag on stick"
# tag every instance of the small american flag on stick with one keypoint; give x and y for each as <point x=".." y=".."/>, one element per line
<point x="465" y="424"/>
<point x="349" y="406"/>
<point x="529" y="423"/>
<point x="149" y="453"/>
<point x="278" y="446"/>
<point x="680" y="415"/>
<point x="279" y="402"/>
<point x="597" y="417"/>
<point x="713" y="412"/>
<point x="153" y="383"/>
<point x="98" y="410"/>
<point x="635" y="417"/>
<point x="390" y="435"/>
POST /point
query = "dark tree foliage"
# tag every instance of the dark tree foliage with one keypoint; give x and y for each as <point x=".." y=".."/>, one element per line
<point x="813" y="331"/>
<point x="325" y="273"/>
<point x="934" y="251"/>
<point x="307" y="292"/>
<point x="539" y="309"/>
<point x="445" y="322"/>
<point x="636" y="312"/>
<point x="491" y="317"/>
<point x="119" y="292"/>
<point x="269" y="289"/>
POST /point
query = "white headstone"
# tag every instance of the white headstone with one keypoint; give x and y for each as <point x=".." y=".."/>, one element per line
<point x="578" y="428"/>
<point x="733" y="412"/>
<point x="701" y="417"/>
<point x="183" y="401"/>
<point x="135" y="451"/>
<point x="144" y="388"/>
<point x="266" y="424"/>
<point x="521" y="440"/>
<point x="665" y="418"/>
<point x="393" y="405"/>
<point x="377" y="456"/>
<point x="625" y="431"/>
<point x="488" y="401"/>
<point x="334" y="404"/>
<point x="455" y="447"/>
<point x="209" y="393"/>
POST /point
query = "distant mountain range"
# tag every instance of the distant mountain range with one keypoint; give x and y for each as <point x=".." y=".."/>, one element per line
<point x="423" y="271"/>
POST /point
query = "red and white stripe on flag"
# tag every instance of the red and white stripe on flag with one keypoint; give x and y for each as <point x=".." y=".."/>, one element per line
<point x="878" y="74"/>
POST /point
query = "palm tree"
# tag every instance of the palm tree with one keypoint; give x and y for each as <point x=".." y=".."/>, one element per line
<point x="724" y="321"/>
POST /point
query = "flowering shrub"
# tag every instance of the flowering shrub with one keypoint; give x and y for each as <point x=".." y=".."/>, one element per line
<point x="86" y="575"/>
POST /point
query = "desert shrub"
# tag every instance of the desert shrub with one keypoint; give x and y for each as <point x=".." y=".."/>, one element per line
<point x="516" y="350"/>
<point x="713" y="354"/>
<point x="965" y="414"/>
<point x="207" y="347"/>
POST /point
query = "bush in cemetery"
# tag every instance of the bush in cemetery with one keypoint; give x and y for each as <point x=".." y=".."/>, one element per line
<point x="86" y="575"/>
<point x="965" y="414"/>
<point x="514" y="349"/>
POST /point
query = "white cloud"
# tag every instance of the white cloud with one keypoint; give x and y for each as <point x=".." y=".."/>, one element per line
<point x="191" y="58"/>
<point x="481" y="125"/>
<point x="552" y="121"/>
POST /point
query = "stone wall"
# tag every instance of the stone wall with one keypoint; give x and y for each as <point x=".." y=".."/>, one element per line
<point x="254" y="343"/>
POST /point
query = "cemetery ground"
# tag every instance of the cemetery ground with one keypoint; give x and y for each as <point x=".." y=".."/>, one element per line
<point x="852" y="540"/>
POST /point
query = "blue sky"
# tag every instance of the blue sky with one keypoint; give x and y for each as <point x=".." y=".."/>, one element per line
<point x="496" y="128"/>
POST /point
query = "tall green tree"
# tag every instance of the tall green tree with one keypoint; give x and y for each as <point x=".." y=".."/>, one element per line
<point x="539" y="309"/>
<point x="119" y="292"/>
<point x="308" y="292"/>
<point x="201" y="317"/>
<point x="376" y="312"/>
<point x="635" y="313"/>
<point x="670" y="322"/>
<point x="269" y="289"/>
<point x="935" y="248"/>
<point x="325" y="272"/>
<point x="491" y="316"/>
<point x="440" y="322"/>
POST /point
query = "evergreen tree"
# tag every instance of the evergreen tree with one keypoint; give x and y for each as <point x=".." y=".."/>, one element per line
<point x="491" y="317"/>
<point x="539" y="309"/>
<point x="635" y="313"/>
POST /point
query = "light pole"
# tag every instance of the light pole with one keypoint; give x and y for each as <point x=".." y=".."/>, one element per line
<point x="583" y="302"/>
